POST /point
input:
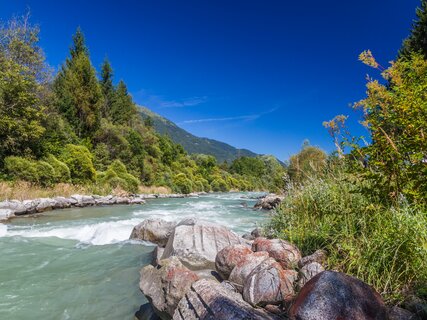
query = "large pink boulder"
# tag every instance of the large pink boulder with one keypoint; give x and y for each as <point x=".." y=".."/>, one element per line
<point x="244" y="267"/>
<point x="335" y="295"/>
<point x="269" y="283"/>
<point x="282" y="251"/>
<point x="229" y="257"/>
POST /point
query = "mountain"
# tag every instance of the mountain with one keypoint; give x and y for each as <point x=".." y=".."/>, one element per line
<point x="192" y="144"/>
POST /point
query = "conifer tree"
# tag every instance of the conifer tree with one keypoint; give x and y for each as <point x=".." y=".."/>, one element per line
<point x="78" y="93"/>
<point x="123" y="109"/>
<point x="107" y="87"/>
<point x="417" y="41"/>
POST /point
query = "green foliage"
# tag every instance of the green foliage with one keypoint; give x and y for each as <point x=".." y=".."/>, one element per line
<point x="61" y="170"/>
<point x="79" y="161"/>
<point x="417" y="41"/>
<point x="182" y="184"/>
<point x="21" y="94"/>
<point x="21" y="169"/>
<point x="78" y="93"/>
<point x="123" y="109"/>
<point x="108" y="89"/>
<point x="309" y="162"/>
<point x="385" y="247"/>
<point x="219" y="185"/>
<point x="117" y="175"/>
<point x="248" y="166"/>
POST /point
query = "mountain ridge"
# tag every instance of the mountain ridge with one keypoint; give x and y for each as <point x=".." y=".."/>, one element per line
<point x="193" y="144"/>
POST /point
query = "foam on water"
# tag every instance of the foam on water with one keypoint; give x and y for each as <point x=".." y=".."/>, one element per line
<point x="3" y="230"/>
<point x="94" y="234"/>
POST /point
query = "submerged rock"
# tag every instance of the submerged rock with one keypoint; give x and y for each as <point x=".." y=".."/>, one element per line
<point x="284" y="252"/>
<point x="196" y="243"/>
<point x="228" y="257"/>
<point x="268" y="284"/>
<point x="165" y="285"/>
<point x="157" y="231"/>
<point x="208" y="300"/>
<point x="269" y="202"/>
<point x="335" y="295"/>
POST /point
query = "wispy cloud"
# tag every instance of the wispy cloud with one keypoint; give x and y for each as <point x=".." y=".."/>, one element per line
<point x="159" y="102"/>
<point x="249" y="117"/>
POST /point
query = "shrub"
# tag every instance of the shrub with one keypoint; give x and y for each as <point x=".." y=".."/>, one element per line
<point x="117" y="176"/>
<point x="79" y="161"/>
<point x="21" y="169"/>
<point x="61" y="171"/>
<point x="219" y="185"/>
<point x="182" y="184"/>
<point x="385" y="247"/>
<point x="45" y="173"/>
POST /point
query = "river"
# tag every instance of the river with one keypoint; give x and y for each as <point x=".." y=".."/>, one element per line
<point x="79" y="263"/>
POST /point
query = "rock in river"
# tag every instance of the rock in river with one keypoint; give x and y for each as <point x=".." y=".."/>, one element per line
<point x="153" y="230"/>
<point x="196" y="243"/>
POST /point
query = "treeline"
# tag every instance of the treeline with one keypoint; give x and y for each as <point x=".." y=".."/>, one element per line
<point x="366" y="204"/>
<point x="79" y="127"/>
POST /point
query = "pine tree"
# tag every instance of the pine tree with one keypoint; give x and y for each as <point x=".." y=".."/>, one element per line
<point x="123" y="108"/>
<point x="417" y="41"/>
<point x="78" y="93"/>
<point x="107" y="88"/>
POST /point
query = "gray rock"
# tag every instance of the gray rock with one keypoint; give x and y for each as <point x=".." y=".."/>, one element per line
<point x="122" y="200"/>
<point x="61" y="203"/>
<point x="14" y="205"/>
<point x="243" y="269"/>
<point x="146" y="312"/>
<point x="165" y="285"/>
<point x="335" y="295"/>
<point x="268" y="284"/>
<point x="157" y="231"/>
<point x="197" y="243"/>
<point x="30" y="206"/>
<point x="136" y="200"/>
<point x="269" y="202"/>
<point x="45" y="204"/>
<point x="157" y="255"/>
<point x="228" y="257"/>
<point x="83" y="201"/>
<point x="6" y="214"/>
<point x="416" y="305"/>
<point x="307" y="272"/>
<point x="318" y="256"/>
<point x="284" y="252"/>
<point x="397" y="313"/>
<point x="209" y="300"/>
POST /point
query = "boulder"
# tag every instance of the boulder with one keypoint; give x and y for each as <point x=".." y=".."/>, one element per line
<point x="146" y="312"/>
<point x="157" y="255"/>
<point x="45" y="204"/>
<point x="165" y="285"/>
<point x="6" y="214"/>
<point x="157" y="231"/>
<point x="83" y="201"/>
<point x="269" y="202"/>
<point x="16" y="206"/>
<point x="61" y="203"/>
<point x="243" y="268"/>
<point x="284" y="252"/>
<point x="228" y="257"/>
<point x="309" y="271"/>
<point x="208" y="300"/>
<point x="269" y="284"/>
<point x="104" y="200"/>
<point x="122" y="200"/>
<point x="335" y="295"/>
<point x="30" y="206"/>
<point x="136" y="200"/>
<point x="416" y="305"/>
<point x="318" y="256"/>
<point x="397" y="313"/>
<point x="197" y="243"/>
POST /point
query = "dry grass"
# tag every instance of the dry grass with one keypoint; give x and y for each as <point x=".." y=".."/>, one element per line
<point x="155" y="190"/>
<point x="21" y="190"/>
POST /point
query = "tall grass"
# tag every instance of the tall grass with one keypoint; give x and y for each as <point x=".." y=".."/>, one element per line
<point x="382" y="245"/>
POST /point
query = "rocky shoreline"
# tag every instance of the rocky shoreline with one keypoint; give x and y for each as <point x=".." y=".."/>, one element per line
<point x="13" y="208"/>
<point x="202" y="270"/>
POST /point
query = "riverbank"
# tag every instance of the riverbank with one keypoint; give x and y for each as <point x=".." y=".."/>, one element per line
<point x="12" y="208"/>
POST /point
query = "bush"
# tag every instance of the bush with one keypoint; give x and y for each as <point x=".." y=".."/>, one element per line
<point x="182" y="184"/>
<point x="385" y="247"/>
<point x="219" y="185"/>
<point x="21" y="169"/>
<point x="79" y="161"/>
<point x="61" y="171"/>
<point x="45" y="173"/>
<point x="117" y="176"/>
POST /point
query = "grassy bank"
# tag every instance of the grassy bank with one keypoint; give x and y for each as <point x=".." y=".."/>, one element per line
<point x="385" y="246"/>
<point x="21" y="190"/>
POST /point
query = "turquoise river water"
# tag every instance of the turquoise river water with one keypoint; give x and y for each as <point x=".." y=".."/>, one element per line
<point x="79" y="263"/>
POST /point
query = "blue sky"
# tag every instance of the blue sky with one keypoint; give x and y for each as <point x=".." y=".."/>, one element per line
<point x="261" y="75"/>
